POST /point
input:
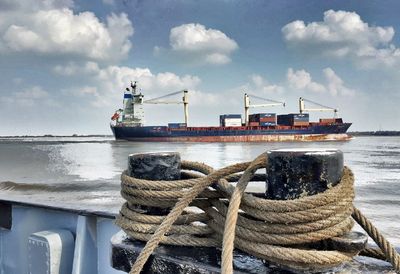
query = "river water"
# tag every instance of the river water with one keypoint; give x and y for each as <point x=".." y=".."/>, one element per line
<point x="84" y="171"/>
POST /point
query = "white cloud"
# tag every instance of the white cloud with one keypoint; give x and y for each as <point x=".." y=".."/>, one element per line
<point x="206" y="45"/>
<point x="52" y="28"/>
<point x="335" y="84"/>
<point x="205" y="99"/>
<point x="344" y="34"/>
<point x="301" y="80"/>
<point x="27" y="97"/>
<point x="260" y="85"/>
<point x="35" y="92"/>
<point x="217" y="59"/>
<point x="105" y="84"/>
<point x="74" y="68"/>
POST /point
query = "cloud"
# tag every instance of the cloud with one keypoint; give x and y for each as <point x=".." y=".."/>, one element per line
<point x="74" y="68"/>
<point x="35" y="92"/>
<point x="29" y="97"/>
<point x="301" y="80"/>
<point x="205" y="99"/>
<point x="53" y="29"/>
<point x="344" y="34"/>
<point x="260" y="85"/>
<point x="209" y="46"/>
<point x="105" y="84"/>
<point x="335" y="84"/>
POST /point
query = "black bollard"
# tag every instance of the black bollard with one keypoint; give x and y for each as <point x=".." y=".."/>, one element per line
<point x="160" y="166"/>
<point x="295" y="173"/>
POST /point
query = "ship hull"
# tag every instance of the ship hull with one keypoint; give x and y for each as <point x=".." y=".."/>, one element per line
<point x="331" y="132"/>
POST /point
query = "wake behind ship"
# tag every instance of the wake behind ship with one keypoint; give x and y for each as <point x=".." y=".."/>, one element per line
<point x="128" y="123"/>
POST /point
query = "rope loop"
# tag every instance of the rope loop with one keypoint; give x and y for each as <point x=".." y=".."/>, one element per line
<point x="204" y="208"/>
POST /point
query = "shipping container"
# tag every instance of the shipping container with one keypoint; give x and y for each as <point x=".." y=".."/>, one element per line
<point x="230" y="120"/>
<point x="177" y="125"/>
<point x="224" y="116"/>
<point x="301" y="123"/>
<point x="232" y="125"/>
<point x="267" y="124"/>
<point x="327" y="120"/>
<point x="284" y="119"/>
<point x="339" y="120"/>
<point x="270" y="119"/>
<point x="262" y="117"/>
<point x="290" y="119"/>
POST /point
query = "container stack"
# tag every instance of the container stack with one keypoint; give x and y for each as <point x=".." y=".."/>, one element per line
<point x="327" y="121"/>
<point x="230" y="120"/>
<point x="262" y="119"/>
<point x="294" y="119"/>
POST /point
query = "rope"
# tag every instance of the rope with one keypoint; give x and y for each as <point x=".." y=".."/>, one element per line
<point x="228" y="217"/>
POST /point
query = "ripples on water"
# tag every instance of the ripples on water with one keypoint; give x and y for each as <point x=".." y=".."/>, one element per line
<point x="86" y="170"/>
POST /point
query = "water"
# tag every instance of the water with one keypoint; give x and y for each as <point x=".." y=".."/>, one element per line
<point x="83" y="172"/>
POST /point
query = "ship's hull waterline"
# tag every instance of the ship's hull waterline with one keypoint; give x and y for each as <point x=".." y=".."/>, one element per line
<point x="216" y="134"/>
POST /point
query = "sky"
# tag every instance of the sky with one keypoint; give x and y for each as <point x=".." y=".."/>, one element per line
<point x="64" y="64"/>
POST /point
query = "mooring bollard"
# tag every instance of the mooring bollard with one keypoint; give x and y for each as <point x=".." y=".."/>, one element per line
<point x="163" y="166"/>
<point x="160" y="166"/>
<point x="291" y="174"/>
<point x="295" y="173"/>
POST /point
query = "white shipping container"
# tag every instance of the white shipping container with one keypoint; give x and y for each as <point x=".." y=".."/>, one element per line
<point x="233" y="124"/>
<point x="233" y="120"/>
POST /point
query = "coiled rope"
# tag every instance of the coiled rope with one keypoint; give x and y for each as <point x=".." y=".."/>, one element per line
<point x="267" y="229"/>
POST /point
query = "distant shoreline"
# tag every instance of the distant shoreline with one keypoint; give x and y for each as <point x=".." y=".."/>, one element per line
<point x="375" y="133"/>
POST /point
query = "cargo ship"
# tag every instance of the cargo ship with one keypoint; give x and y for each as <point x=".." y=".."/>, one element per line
<point x="128" y="123"/>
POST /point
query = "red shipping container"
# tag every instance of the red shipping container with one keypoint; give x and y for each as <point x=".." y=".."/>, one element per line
<point x="268" y="119"/>
<point x="329" y="120"/>
<point x="301" y="123"/>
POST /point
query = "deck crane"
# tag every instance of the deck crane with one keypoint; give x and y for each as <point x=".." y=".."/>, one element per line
<point x="322" y="107"/>
<point x="185" y="102"/>
<point x="248" y="105"/>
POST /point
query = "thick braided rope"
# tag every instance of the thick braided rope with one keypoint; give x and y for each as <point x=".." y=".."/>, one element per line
<point x="232" y="214"/>
<point x="176" y="211"/>
<point x="387" y="249"/>
<point x="261" y="226"/>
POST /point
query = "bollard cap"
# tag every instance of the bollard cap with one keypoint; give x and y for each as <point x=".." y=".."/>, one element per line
<point x="163" y="166"/>
<point x="297" y="172"/>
